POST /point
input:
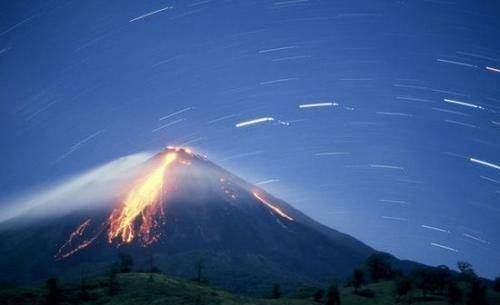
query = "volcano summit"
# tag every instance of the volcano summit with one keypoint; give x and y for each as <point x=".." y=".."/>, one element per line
<point x="181" y="208"/>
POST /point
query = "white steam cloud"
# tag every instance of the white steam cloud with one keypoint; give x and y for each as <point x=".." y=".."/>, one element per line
<point x="89" y="189"/>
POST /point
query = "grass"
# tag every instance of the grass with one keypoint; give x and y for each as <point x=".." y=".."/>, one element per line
<point x="385" y="295"/>
<point x="138" y="289"/>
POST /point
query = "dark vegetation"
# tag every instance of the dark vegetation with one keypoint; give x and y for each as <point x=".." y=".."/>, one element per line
<point x="375" y="282"/>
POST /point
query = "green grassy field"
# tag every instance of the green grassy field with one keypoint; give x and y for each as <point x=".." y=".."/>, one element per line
<point x="138" y="289"/>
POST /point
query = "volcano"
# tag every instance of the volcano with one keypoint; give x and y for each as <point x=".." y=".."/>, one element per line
<point x="182" y="209"/>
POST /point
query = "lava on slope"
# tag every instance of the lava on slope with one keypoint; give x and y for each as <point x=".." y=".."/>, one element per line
<point x="138" y="214"/>
<point x="141" y="214"/>
<point x="77" y="234"/>
<point x="143" y="200"/>
<point x="272" y="206"/>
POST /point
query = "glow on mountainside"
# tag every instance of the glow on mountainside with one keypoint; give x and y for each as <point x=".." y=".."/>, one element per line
<point x="140" y="215"/>
<point x="143" y="200"/>
<point x="272" y="207"/>
<point x="78" y="233"/>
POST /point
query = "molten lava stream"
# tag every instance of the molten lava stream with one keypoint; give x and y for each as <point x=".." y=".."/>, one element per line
<point x="145" y="200"/>
<point x="74" y="235"/>
<point x="272" y="207"/>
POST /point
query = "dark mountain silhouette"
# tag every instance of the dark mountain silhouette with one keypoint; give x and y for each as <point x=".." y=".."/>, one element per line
<point x="245" y="238"/>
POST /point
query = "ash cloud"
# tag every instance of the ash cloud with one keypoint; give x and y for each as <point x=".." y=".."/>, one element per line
<point x="86" y="190"/>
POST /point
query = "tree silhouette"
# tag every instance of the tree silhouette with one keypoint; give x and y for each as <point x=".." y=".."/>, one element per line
<point x="422" y="277"/>
<point x="378" y="267"/>
<point x="496" y="284"/>
<point x="126" y="262"/>
<point x="466" y="270"/>
<point x="333" y="295"/>
<point x="434" y="279"/>
<point x="441" y="277"/>
<point x="403" y="286"/>
<point x="113" y="286"/>
<point x="454" y="293"/>
<point x="53" y="295"/>
<point x="358" y="277"/>
<point x="477" y="293"/>
<point x="276" y="293"/>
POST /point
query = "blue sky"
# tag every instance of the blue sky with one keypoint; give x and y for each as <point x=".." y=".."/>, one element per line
<point x="413" y="87"/>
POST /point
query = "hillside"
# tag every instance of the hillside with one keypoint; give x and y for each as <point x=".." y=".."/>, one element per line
<point x="137" y="289"/>
<point x="193" y="210"/>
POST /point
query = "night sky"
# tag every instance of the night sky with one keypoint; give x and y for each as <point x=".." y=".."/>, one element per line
<point x="378" y="118"/>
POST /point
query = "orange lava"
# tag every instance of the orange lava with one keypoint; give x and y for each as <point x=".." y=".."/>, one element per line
<point x="142" y="201"/>
<point x="84" y="244"/>
<point x="75" y="234"/>
<point x="141" y="212"/>
<point x="272" y="207"/>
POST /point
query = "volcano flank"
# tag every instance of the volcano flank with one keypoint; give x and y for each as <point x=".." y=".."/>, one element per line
<point x="181" y="209"/>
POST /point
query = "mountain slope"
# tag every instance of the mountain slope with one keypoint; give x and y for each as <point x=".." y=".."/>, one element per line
<point x="183" y="209"/>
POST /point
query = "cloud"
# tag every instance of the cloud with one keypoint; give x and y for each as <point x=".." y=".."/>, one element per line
<point x="89" y="189"/>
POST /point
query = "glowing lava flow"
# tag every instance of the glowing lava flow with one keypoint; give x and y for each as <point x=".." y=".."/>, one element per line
<point x="142" y="201"/>
<point x="272" y="207"/>
<point x="74" y="235"/>
<point x="140" y="215"/>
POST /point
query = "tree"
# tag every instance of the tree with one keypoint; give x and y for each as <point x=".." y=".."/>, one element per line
<point x="441" y="278"/>
<point x="126" y="262"/>
<point x="358" y="277"/>
<point x="422" y="277"/>
<point x="113" y="286"/>
<point x="403" y="286"/>
<point x="53" y="294"/>
<point x="276" y="293"/>
<point x="378" y="266"/>
<point x="333" y="295"/>
<point x="477" y="294"/>
<point x="454" y="293"/>
<point x="496" y="284"/>
<point x="466" y="270"/>
<point x="318" y="295"/>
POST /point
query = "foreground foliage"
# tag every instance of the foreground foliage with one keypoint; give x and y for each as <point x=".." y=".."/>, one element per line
<point x="144" y="288"/>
